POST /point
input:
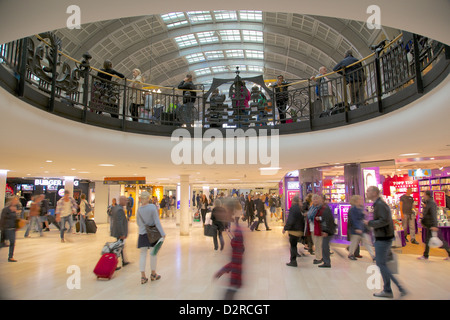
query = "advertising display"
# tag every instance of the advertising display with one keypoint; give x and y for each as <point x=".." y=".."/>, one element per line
<point x="439" y="198"/>
<point x="343" y="212"/>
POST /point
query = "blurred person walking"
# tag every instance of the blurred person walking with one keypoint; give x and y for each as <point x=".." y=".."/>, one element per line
<point x="249" y="210"/>
<point x="218" y="217"/>
<point x="203" y="207"/>
<point x="35" y="211"/>
<point x="295" y="225"/>
<point x="313" y="226"/>
<point x="261" y="212"/>
<point x="130" y="204"/>
<point x="357" y="228"/>
<point x="384" y="233"/>
<point x="84" y="205"/>
<point x="408" y="215"/>
<point x="430" y="225"/>
<point x="328" y="229"/>
<point x="119" y="228"/>
<point x="65" y="208"/>
<point x="8" y="220"/>
<point x="147" y="215"/>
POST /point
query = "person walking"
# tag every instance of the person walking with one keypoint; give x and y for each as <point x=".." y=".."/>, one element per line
<point x="408" y="215"/>
<point x="8" y="224"/>
<point x="328" y="229"/>
<point x="65" y="208"/>
<point x="249" y="210"/>
<point x="35" y="211"/>
<point x="218" y="217"/>
<point x="430" y="225"/>
<point x="147" y="215"/>
<point x="261" y="212"/>
<point x="295" y="225"/>
<point x="203" y="207"/>
<point x="357" y="228"/>
<point x="119" y="228"/>
<point x="130" y="204"/>
<point x="384" y="233"/>
<point x="83" y="208"/>
<point x="313" y="226"/>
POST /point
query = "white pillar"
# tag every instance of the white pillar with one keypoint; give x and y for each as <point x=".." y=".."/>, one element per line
<point x="122" y="191"/>
<point x="114" y="192"/>
<point x="101" y="202"/>
<point x="3" y="175"/>
<point x="136" y="200"/>
<point x="68" y="184"/>
<point x="184" y="205"/>
<point x="178" y="210"/>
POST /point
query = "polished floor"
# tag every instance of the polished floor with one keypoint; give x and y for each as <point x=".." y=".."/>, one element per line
<point x="187" y="264"/>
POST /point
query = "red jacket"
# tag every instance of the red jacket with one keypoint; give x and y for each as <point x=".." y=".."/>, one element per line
<point x="317" y="227"/>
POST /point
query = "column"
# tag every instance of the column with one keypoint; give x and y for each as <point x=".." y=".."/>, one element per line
<point x="101" y="202"/>
<point x="3" y="174"/>
<point x="177" y="212"/>
<point x="184" y="205"/>
<point x="68" y="184"/>
<point x="114" y="192"/>
<point x="136" y="200"/>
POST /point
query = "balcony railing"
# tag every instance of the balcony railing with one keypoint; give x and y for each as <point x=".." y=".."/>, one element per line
<point x="73" y="88"/>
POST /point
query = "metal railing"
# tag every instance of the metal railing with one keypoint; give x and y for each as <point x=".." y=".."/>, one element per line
<point x="40" y="62"/>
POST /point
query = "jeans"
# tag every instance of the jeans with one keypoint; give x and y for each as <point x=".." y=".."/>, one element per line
<point x="10" y="234"/>
<point x="382" y="249"/>
<point x="62" y="225"/>
<point x="129" y="212"/>
<point x="222" y="242"/>
<point x="326" y="250"/>
<point x="82" y="223"/>
<point x="34" y="220"/>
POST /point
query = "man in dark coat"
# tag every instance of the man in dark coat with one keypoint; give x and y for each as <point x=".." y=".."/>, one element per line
<point x="295" y="226"/>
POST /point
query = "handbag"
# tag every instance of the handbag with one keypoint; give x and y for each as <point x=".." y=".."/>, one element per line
<point x="153" y="234"/>
<point x="435" y="242"/>
<point x="210" y="230"/>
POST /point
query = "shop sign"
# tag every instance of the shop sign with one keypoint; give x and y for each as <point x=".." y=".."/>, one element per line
<point x="53" y="182"/>
<point x="439" y="198"/>
<point x="419" y="173"/>
<point x="292" y="185"/>
<point x="124" y="180"/>
<point x="343" y="211"/>
<point x="290" y="195"/>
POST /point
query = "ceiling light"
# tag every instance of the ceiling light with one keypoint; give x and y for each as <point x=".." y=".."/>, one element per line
<point x="48" y="161"/>
<point x="409" y="154"/>
<point x="270" y="168"/>
<point x="106" y="165"/>
<point x="73" y="169"/>
<point x="83" y="172"/>
<point x="431" y="158"/>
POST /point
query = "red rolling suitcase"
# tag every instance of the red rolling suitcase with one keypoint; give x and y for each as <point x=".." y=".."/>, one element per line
<point x="106" y="266"/>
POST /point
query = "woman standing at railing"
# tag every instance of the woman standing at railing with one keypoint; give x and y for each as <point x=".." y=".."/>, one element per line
<point x="136" y="99"/>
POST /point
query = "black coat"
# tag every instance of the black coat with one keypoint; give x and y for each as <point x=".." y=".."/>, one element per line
<point x="296" y="220"/>
<point x="249" y="208"/>
<point x="429" y="214"/>
<point x="327" y="225"/>
<point x="188" y="96"/>
<point x="382" y="221"/>
<point x="354" y="73"/>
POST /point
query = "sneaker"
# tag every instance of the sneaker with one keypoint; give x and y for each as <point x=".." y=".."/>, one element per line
<point x="12" y="260"/>
<point x="414" y="241"/>
<point x="384" y="294"/>
<point x="422" y="258"/>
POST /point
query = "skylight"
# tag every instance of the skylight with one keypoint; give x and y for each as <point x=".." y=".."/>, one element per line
<point x="252" y="36"/>
<point x="230" y="35"/>
<point x="199" y="16"/>
<point x="225" y="15"/>
<point x="207" y="37"/>
<point x="186" y="40"/>
<point x="203" y="71"/>
<point x="254" y="54"/>
<point x="234" y="53"/>
<point x="255" y="68"/>
<point x="211" y="55"/>
<point x="217" y="69"/>
<point x="195" y="57"/>
<point x="250" y="15"/>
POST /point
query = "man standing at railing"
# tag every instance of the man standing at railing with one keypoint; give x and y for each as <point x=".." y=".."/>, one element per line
<point x="354" y="75"/>
<point x="281" y="96"/>
<point x="188" y="86"/>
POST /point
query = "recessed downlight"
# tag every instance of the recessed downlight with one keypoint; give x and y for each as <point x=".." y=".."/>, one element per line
<point x="106" y="165"/>
<point x="409" y="154"/>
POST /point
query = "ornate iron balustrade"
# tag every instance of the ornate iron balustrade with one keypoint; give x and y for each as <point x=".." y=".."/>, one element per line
<point x="80" y="92"/>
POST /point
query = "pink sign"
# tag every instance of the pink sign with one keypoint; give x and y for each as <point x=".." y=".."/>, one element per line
<point x="439" y="198"/>
<point x="343" y="212"/>
<point x="291" y="194"/>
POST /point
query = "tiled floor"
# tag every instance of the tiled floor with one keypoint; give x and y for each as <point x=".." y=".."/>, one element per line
<point x="187" y="265"/>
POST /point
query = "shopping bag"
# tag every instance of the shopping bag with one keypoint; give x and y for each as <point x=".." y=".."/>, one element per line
<point x="435" y="242"/>
<point x="210" y="230"/>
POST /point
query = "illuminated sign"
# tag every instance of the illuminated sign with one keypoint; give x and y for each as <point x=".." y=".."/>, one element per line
<point x="420" y="173"/>
<point x="124" y="180"/>
<point x="53" y="182"/>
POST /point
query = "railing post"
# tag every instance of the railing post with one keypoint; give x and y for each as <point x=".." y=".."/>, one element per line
<point x="203" y="109"/>
<point x="344" y="88"/>
<point x="22" y="68"/>
<point x="124" y="103"/>
<point x="419" y="80"/>
<point x="311" y="109"/>
<point x="51" y="104"/>
<point x="378" y="81"/>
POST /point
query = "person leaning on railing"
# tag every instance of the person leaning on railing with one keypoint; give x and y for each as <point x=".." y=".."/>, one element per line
<point x="324" y="89"/>
<point x="354" y="75"/>
<point x="281" y="96"/>
<point x="107" y="73"/>
<point x="136" y="99"/>
<point x="188" y="86"/>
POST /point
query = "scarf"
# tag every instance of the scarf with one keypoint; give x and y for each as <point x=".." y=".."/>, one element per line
<point x="312" y="213"/>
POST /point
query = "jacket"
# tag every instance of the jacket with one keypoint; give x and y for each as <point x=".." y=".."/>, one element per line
<point x="119" y="223"/>
<point x="259" y="206"/>
<point x="356" y="220"/>
<point x="327" y="224"/>
<point x="382" y="221"/>
<point x="8" y="219"/>
<point x="188" y="95"/>
<point x="218" y="217"/>
<point x="60" y="206"/>
<point x="429" y="214"/>
<point x="354" y="73"/>
<point x="296" y="220"/>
